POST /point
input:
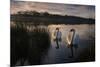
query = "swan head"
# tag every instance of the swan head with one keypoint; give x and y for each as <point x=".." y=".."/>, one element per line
<point x="72" y="30"/>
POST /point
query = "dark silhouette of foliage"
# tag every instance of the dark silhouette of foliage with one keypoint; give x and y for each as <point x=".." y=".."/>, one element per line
<point x="46" y="18"/>
<point x="28" y="45"/>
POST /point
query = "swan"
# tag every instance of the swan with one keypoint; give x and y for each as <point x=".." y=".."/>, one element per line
<point x="58" y="34"/>
<point x="70" y="37"/>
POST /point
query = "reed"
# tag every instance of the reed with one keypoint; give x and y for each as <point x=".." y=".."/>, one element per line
<point x="28" y="45"/>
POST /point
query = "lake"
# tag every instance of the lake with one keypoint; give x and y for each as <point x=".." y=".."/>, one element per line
<point x="85" y="37"/>
<point x="83" y="50"/>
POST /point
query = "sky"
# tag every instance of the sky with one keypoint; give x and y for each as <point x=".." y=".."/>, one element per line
<point x="86" y="11"/>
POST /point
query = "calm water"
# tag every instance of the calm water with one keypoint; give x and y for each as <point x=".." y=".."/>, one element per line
<point x="84" y="40"/>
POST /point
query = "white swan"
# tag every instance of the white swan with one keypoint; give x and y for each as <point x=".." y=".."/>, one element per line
<point x="70" y="37"/>
<point x="57" y="34"/>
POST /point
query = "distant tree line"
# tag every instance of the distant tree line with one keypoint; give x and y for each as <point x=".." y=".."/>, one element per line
<point x="47" y="18"/>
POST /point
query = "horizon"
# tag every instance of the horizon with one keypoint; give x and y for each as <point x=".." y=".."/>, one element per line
<point x="85" y="11"/>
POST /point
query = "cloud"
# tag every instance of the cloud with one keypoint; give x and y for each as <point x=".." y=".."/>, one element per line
<point x="54" y="8"/>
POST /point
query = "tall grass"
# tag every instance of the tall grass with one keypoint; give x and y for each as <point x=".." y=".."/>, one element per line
<point x="28" y="45"/>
